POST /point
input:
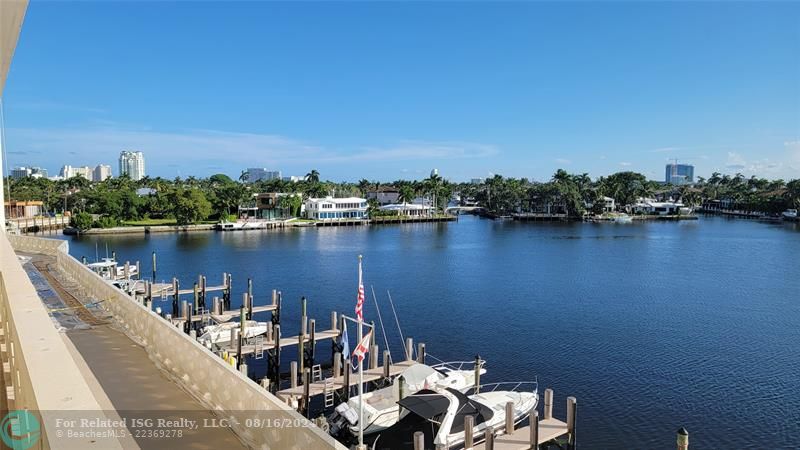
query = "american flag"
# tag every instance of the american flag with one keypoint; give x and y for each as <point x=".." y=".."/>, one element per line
<point x="360" y="300"/>
<point x="363" y="347"/>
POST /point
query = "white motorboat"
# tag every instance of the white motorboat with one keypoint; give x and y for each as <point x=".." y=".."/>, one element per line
<point x="243" y="224"/>
<point x="623" y="218"/>
<point x="440" y="414"/>
<point x="221" y="333"/>
<point x="790" y="214"/>
<point x="110" y="270"/>
<point x="381" y="410"/>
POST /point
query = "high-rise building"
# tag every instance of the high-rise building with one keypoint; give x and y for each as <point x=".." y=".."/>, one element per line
<point x="259" y="174"/>
<point x="20" y="172"/>
<point x="68" y="171"/>
<point x="101" y="172"/>
<point x="132" y="164"/>
<point x="679" y="173"/>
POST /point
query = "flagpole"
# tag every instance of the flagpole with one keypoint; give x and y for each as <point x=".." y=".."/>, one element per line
<point x="360" y="371"/>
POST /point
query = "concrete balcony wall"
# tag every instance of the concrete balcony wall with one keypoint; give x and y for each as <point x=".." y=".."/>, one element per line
<point x="220" y="387"/>
<point x="39" y="373"/>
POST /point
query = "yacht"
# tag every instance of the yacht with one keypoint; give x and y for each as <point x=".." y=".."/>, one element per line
<point x="221" y="333"/>
<point x="790" y="214"/>
<point x="440" y="413"/>
<point x="381" y="410"/>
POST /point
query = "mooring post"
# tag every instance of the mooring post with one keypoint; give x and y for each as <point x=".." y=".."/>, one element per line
<point x="301" y="343"/>
<point x="373" y="358"/>
<point x="477" y="374"/>
<point x="387" y="363"/>
<point x="114" y="255"/>
<point x="83" y="260"/>
<point x="175" y="288"/>
<point x="226" y="294"/>
<point x="348" y="370"/>
<point x="250" y="287"/>
<point x="509" y="417"/>
<point x="572" y="412"/>
<point x="245" y="309"/>
<point x="154" y="267"/>
<point x="419" y="440"/>
<point x="683" y="439"/>
<point x="138" y="271"/>
<point x="469" y="423"/>
<point x="293" y="374"/>
<point x="306" y="392"/>
<point x="312" y="342"/>
<point x="337" y="365"/>
<point x="275" y="363"/>
<point x="203" y="292"/>
<point x="548" y="404"/>
<point x="409" y="349"/>
<point x="334" y="321"/>
<point x="215" y="305"/>
<point x="534" y="424"/>
<point x="126" y="271"/>
<point x="243" y="367"/>
<point x="196" y="293"/>
<point x="186" y="316"/>
<point x="242" y="334"/>
<point x="421" y="353"/>
<point x="489" y="438"/>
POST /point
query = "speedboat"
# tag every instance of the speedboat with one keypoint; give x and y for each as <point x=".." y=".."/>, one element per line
<point x="623" y="218"/>
<point x="221" y="333"/>
<point x="381" y="410"/>
<point x="790" y="214"/>
<point x="110" y="270"/>
<point x="440" y="414"/>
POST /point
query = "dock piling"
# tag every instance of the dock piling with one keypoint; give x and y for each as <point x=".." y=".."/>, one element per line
<point x="306" y="392"/>
<point x="387" y="363"/>
<point x="373" y="358"/>
<point x="534" y="424"/>
<point x="154" y="267"/>
<point x="293" y="374"/>
<point x="419" y="440"/>
<point x="469" y="423"/>
<point x="175" y="296"/>
<point x="489" y="438"/>
<point x="334" y="321"/>
<point x="421" y="353"/>
<point x="548" y="404"/>
<point x="337" y="364"/>
<point x="572" y="411"/>
<point x="509" y="417"/>
<point x="409" y="349"/>
<point x="683" y="439"/>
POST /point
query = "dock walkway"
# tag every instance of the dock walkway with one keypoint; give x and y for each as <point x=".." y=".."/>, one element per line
<point x="127" y="381"/>
<point x="549" y="429"/>
<point x="318" y="387"/>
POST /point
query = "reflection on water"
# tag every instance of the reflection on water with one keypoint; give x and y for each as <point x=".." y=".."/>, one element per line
<point x="652" y="326"/>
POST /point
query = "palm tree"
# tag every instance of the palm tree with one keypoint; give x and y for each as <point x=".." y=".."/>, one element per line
<point x="363" y="186"/>
<point x="244" y="177"/>
<point x="313" y="176"/>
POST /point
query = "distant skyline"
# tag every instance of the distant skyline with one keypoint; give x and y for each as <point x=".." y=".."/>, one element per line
<point x="388" y="90"/>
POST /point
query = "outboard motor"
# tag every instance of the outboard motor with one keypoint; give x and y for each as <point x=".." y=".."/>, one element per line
<point x="342" y="416"/>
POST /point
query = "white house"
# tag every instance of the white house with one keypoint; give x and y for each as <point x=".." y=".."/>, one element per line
<point x="649" y="206"/>
<point x="409" y="209"/>
<point x="336" y="208"/>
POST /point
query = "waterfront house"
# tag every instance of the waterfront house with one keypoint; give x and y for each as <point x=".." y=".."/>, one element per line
<point x="18" y="209"/>
<point x="330" y="208"/>
<point x="385" y="195"/>
<point x="408" y="209"/>
<point x="650" y="206"/>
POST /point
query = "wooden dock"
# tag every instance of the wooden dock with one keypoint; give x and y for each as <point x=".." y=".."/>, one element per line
<point x="318" y="387"/>
<point x="292" y="341"/>
<point x="520" y="439"/>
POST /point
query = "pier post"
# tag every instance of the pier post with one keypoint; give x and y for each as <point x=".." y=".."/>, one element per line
<point x="196" y="293"/>
<point x="373" y="358"/>
<point x="301" y="338"/>
<point x="477" y="374"/>
<point x="572" y="412"/>
<point x="337" y="365"/>
<point x="154" y="267"/>
<point x="203" y="291"/>
<point x="469" y="423"/>
<point x="240" y="341"/>
<point x="226" y="294"/>
<point x="312" y="342"/>
<point x="250" y="291"/>
<point x="548" y="404"/>
<point x="306" y="392"/>
<point x="275" y="362"/>
<point x="243" y="367"/>
<point x="348" y="370"/>
<point x="334" y="321"/>
<point x="215" y="305"/>
<point x="185" y="314"/>
<point x="126" y="271"/>
<point x="245" y="309"/>
<point x="114" y="255"/>
<point x="293" y="374"/>
<point x="419" y="440"/>
<point x="175" y="288"/>
<point x="421" y="353"/>
<point x="83" y="260"/>
<point x="387" y="362"/>
<point x="489" y="442"/>
<point x="534" y="425"/>
<point x="683" y="439"/>
<point x="409" y="349"/>
<point x="138" y="270"/>
<point x="509" y="417"/>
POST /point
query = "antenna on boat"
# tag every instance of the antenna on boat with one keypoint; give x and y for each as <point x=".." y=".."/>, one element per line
<point x="402" y="339"/>
<point x="380" y="320"/>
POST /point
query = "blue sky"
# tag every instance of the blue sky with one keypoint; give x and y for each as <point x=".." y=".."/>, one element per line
<point x="391" y="90"/>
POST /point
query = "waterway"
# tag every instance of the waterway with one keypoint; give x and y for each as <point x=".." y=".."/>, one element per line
<point x="652" y="326"/>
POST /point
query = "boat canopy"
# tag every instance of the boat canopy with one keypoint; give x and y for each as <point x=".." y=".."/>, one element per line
<point x="426" y="403"/>
<point x="416" y="375"/>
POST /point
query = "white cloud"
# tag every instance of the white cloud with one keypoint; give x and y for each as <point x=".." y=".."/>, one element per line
<point x="193" y="149"/>
<point x="735" y="161"/>
<point x="563" y="161"/>
<point x="625" y="164"/>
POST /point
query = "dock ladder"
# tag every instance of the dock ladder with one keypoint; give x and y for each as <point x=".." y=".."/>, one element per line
<point x="316" y="373"/>
<point x="329" y="392"/>
<point x="258" y="347"/>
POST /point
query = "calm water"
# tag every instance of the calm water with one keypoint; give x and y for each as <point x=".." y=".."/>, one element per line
<point x="651" y="326"/>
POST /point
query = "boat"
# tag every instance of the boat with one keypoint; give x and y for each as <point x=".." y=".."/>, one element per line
<point x="221" y="333"/>
<point x="623" y="218"/>
<point x="440" y="414"/>
<point x="789" y="214"/>
<point x="110" y="270"/>
<point x="381" y="410"/>
<point x="243" y="225"/>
